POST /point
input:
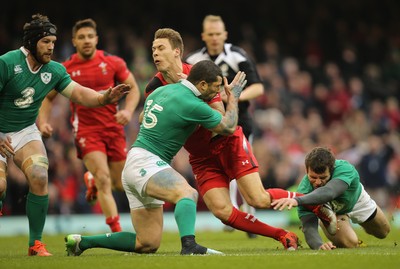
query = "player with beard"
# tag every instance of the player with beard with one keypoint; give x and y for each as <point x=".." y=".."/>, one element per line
<point x="27" y="75"/>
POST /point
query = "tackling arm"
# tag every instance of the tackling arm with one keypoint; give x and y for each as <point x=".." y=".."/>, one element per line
<point x="327" y="193"/>
<point x="90" y="98"/>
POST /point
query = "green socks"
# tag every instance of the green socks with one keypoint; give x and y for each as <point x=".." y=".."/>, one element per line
<point x="36" y="211"/>
<point x="185" y="216"/>
<point x="122" y="241"/>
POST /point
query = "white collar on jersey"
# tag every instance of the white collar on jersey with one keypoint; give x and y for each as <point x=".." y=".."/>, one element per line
<point x="25" y="52"/>
<point x="189" y="84"/>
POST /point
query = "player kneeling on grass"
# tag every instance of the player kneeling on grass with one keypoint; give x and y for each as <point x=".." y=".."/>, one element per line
<point x="336" y="182"/>
<point x="170" y="116"/>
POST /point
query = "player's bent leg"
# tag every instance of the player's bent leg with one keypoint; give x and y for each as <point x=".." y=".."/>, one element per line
<point x="106" y="199"/>
<point x="345" y="236"/>
<point x="75" y="244"/>
<point x="250" y="210"/>
<point x="35" y="169"/>
<point x="148" y="224"/>
<point x="37" y="201"/>
<point x="233" y="192"/>
<point x="96" y="162"/>
<point x="378" y="224"/>
<point x="252" y="190"/>
<point x="170" y="186"/>
<point x="218" y="202"/>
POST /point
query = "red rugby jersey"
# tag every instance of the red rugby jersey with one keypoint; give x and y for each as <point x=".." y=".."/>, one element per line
<point x="99" y="73"/>
<point x="197" y="143"/>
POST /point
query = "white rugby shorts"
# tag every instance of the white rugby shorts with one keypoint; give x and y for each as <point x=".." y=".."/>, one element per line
<point x="140" y="165"/>
<point x="363" y="209"/>
<point x="23" y="137"/>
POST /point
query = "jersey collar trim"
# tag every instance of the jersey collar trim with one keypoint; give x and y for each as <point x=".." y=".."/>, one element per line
<point x="25" y="52"/>
<point x="193" y="88"/>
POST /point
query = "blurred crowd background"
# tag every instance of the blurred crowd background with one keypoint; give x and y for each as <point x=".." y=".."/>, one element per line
<point x="331" y="71"/>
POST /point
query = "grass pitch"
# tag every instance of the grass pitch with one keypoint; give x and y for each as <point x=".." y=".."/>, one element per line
<point x="240" y="251"/>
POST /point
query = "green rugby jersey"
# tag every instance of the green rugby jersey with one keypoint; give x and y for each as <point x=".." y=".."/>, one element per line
<point x="22" y="90"/>
<point x="171" y="114"/>
<point x="344" y="203"/>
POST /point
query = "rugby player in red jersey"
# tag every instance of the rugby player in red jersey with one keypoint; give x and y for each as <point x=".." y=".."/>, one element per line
<point x="99" y="134"/>
<point x="216" y="160"/>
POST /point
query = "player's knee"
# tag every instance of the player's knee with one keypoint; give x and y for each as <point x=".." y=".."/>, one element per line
<point x="351" y="244"/>
<point x="189" y="192"/>
<point x="147" y="247"/>
<point x="39" y="178"/>
<point x="35" y="168"/>
<point x="103" y="181"/>
<point x="347" y="243"/>
<point x="222" y="213"/>
<point x="36" y="160"/>
<point x="382" y="233"/>
<point x="146" y="250"/>
<point x="258" y="202"/>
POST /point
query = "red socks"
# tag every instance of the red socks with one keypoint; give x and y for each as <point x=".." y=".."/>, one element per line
<point x="113" y="222"/>
<point x="248" y="223"/>
<point x="281" y="193"/>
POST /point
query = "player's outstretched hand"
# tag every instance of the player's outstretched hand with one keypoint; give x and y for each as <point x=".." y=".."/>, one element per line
<point x="237" y="85"/>
<point x="280" y="204"/>
<point x="112" y="95"/>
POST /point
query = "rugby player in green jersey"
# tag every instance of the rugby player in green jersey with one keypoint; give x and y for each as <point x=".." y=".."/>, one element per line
<point x="336" y="182"/>
<point x="27" y="75"/>
<point x="171" y="114"/>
